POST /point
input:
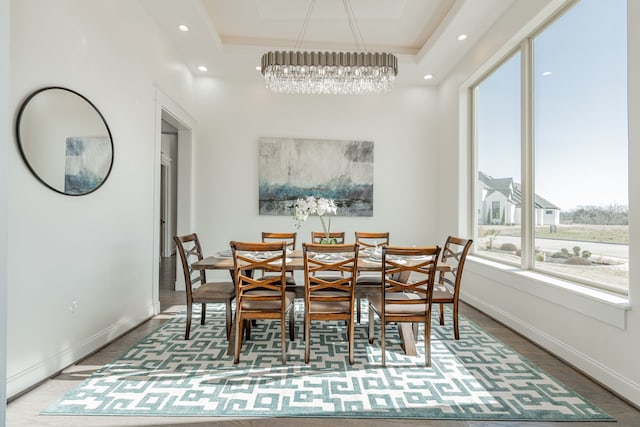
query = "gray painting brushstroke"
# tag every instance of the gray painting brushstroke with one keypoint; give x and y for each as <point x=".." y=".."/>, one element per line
<point x="86" y="164"/>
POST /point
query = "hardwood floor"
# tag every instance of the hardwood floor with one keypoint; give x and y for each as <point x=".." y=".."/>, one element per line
<point x="24" y="410"/>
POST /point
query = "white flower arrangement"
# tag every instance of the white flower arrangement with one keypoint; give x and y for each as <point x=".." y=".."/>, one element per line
<point x="312" y="205"/>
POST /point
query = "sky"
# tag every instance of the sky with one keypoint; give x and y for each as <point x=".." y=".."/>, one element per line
<point x="580" y="109"/>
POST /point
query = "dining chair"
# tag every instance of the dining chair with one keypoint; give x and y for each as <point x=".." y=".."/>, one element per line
<point x="290" y="240"/>
<point x="263" y="297"/>
<point x="329" y="300"/>
<point x="198" y="290"/>
<point x="318" y="236"/>
<point x="447" y="290"/>
<point x="368" y="283"/>
<point x="409" y="301"/>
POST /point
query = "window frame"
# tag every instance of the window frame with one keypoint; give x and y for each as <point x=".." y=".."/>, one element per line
<point x="527" y="170"/>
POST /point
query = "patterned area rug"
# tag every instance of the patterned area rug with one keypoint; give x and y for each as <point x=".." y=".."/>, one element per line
<point x="475" y="378"/>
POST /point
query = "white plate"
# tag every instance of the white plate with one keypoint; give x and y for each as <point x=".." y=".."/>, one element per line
<point x="288" y="260"/>
<point x="379" y="261"/>
<point x="329" y="257"/>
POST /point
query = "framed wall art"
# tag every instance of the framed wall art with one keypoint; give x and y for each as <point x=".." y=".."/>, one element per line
<point x="290" y="168"/>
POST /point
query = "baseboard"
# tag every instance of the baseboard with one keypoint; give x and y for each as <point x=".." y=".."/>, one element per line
<point x="23" y="381"/>
<point x="602" y="374"/>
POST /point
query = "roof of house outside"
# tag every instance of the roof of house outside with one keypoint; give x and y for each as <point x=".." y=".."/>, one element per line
<point x="512" y="191"/>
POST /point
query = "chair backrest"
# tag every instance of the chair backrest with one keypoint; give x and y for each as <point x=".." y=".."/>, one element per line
<point x="454" y="254"/>
<point x="289" y="238"/>
<point x="318" y="236"/>
<point x="319" y="258"/>
<point x="371" y="240"/>
<point x="268" y="257"/>
<point x="190" y="251"/>
<point x="420" y="262"/>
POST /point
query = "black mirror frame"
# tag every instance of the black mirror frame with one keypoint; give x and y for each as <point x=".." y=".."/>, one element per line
<point x="24" y="104"/>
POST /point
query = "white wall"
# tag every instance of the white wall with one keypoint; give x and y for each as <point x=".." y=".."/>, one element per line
<point x="233" y="115"/>
<point x="593" y="331"/>
<point x="4" y="148"/>
<point x="81" y="269"/>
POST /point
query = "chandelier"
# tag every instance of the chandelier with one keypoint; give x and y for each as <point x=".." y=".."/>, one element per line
<point x="346" y="73"/>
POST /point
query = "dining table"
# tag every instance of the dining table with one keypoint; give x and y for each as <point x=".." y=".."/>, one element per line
<point x="223" y="260"/>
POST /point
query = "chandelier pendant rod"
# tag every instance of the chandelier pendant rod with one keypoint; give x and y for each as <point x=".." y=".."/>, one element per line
<point x="355" y="28"/>
<point x="305" y="24"/>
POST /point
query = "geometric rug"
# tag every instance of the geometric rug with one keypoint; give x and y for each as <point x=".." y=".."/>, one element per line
<point x="475" y="378"/>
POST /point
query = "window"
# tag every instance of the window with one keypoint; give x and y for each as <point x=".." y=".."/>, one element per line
<point x="498" y="147"/>
<point x="578" y="185"/>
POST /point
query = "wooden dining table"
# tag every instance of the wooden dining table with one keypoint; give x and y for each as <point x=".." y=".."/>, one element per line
<point x="295" y="262"/>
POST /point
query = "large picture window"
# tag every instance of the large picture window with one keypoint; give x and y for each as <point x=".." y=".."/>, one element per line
<point x="575" y="74"/>
<point x="498" y="146"/>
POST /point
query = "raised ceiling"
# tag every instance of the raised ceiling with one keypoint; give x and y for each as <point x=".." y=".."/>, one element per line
<point x="229" y="36"/>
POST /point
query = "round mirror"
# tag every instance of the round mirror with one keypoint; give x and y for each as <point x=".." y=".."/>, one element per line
<point x="64" y="140"/>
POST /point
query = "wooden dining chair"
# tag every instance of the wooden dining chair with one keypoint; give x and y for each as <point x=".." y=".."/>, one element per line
<point x="447" y="290"/>
<point x="401" y="301"/>
<point x="290" y="240"/>
<point x="198" y="290"/>
<point x="368" y="283"/>
<point x="329" y="300"/>
<point x="263" y="297"/>
<point x="318" y="236"/>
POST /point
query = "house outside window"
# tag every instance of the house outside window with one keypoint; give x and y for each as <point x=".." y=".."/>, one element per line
<point x="578" y="227"/>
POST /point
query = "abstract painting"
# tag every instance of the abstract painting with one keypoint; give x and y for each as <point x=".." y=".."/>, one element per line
<point x="341" y="170"/>
<point x="87" y="163"/>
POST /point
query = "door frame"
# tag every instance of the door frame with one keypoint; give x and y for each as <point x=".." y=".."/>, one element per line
<point x="167" y="109"/>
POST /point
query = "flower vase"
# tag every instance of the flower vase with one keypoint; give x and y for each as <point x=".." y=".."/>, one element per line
<point x="327" y="232"/>
<point x="329" y="241"/>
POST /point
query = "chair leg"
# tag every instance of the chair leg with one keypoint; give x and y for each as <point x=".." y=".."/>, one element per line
<point x="383" y="339"/>
<point x="239" y="333"/>
<point x="307" y="337"/>
<point x="187" y="332"/>
<point x="414" y="329"/>
<point x="229" y="318"/>
<point x="283" y="337"/>
<point x="350" y="333"/>
<point x="358" y="300"/>
<point x="247" y="325"/>
<point x="456" y="333"/>
<point x="427" y="342"/>
<point x="292" y="324"/>
<point x="441" y="314"/>
<point x="427" y="336"/>
<point x="203" y="313"/>
<point x="371" y="332"/>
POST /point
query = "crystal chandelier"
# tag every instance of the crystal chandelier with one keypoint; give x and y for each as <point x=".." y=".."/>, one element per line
<point x="346" y="73"/>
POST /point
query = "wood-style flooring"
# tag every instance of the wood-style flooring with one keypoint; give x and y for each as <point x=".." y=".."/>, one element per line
<point x="23" y="411"/>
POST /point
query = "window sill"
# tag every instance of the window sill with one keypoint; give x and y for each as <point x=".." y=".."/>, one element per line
<point x="600" y="305"/>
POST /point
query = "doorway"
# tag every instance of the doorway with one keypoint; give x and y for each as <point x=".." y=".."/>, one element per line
<point x="172" y="190"/>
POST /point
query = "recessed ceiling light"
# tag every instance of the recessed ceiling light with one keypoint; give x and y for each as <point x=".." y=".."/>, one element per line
<point x="428" y="76"/>
<point x="203" y="68"/>
<point x="547" y="73"/>
<point x="462" y="37"/>
<point x="183" y="27"/>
